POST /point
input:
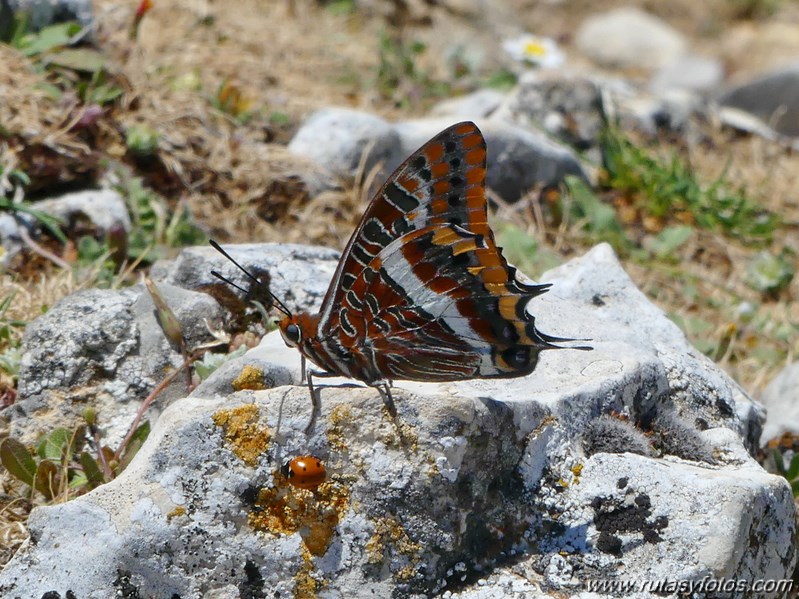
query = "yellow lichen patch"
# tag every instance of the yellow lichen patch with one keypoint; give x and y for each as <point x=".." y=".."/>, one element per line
<point x="284" y="509"/>
<point x="340" y="416"/>
<point x="176" y="513"/>
<point x="251" y="378"/>
<point x="390" y="532"/>
<point x="305" y="586"/>
<point x="577" y="470"/>
<point x="243" y="433"/>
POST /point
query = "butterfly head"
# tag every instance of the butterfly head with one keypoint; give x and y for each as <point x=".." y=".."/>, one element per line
<point x="298" y="329"/>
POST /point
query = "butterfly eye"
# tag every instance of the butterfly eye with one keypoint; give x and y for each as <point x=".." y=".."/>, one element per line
<point x="292" y="334"/>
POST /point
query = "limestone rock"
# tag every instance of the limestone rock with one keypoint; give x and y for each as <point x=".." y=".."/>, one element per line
<point x="518" y="159"/>
<point x="475" y="479"/>
<point x="781" y="400"/>
<point x="629" y="37"/>
<point x="345" y="141"/>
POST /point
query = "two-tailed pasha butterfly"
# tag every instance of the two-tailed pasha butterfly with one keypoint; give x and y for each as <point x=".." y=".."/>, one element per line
<point x="422" y="292"/>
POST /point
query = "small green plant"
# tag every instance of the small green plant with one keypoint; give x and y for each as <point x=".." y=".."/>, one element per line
<point x="341" y="8"/>
<point x="10" y="338"/>
<point x="596" y="218"/>
<point x="232" y="100"/>
<point x="142" y="140"/>
<point x="769" y="274"/>
<point x="669" y="190"/>
<point x="46" y="39"/>
<point x="524" y="252"/>
<point x="398" y="76"/>
<point x="503" y="80"/>
<point x="61" y="467"/>
<point x="153" y="225"/>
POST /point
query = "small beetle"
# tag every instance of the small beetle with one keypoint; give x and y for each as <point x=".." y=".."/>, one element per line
<point x="304" y="472"/>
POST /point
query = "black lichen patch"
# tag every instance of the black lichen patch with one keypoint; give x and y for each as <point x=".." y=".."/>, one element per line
<point x="125" y="588"/>
<point x="625" y="515"/>
<point x="253" y="586"/>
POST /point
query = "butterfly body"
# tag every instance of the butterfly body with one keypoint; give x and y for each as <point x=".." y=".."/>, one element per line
<point x="422" y="292"/>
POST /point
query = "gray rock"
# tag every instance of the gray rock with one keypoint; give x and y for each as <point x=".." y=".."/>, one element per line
<point x="225" y="379"/>
<point x="629" y="37"/>
<point x="518" y="159"/>
<point x="103" y="349"/>
<point x="668" y="523"/>
<point x="473" y="475"/>
<point x="772" y="98"/>
<point x="781" y="400"/>
<point x="345" y="141"/>
<point x="690" y="72"/>
<point x="472" y="106"/>
<point x="105" y="209"/>
<point x="42" y="13"/>
<point x="298" y="275"/>
<point x="575" y="109"/>
<point x="10" y="240"/>
<point x="570" y="109"/>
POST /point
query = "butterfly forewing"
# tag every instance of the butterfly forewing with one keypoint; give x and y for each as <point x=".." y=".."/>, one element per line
<point x="442" y="182"/>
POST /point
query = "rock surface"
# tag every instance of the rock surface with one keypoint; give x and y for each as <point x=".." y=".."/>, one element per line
<point x="105" y="209"/>
<point x="772" y="98"/>
<point x="474" y="479"/>
<point x="629" y="37"/>
<point x="103" y="349"/>
<point x="781" y="399"/>
<point x="519" y="159"/>
<point x="345" y="142"/>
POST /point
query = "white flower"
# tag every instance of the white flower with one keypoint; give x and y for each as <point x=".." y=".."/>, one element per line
<point x="535" y="50"/>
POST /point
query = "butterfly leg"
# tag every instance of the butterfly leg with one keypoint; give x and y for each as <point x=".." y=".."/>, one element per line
<point x="384" y="387"/>
<point x="315" y="399"/>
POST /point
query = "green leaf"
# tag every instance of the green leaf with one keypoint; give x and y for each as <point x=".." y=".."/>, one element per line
<point x="46" y="478"/>
<point x="669" y="240"/>
<point x="793" y="469"/>
<point x="212" y="361"/>
<point x="84" y="60"/>
<point x="94" y="475"/>
<point x="134" y="445"/>
<point x="795" y="488"/>
<point x="77" y="479"/>
<point x="54" y="445"/>
<point x="16" y="458"/>
<point x="48" y="38"/>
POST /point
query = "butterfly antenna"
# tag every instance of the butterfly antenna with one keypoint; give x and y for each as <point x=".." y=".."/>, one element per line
<point x="277" y="303"/>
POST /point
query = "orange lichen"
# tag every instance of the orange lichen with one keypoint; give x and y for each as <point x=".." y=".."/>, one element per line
<point x="251" y="378"/>
<point x="176" y="513"/>
<point x="246" y="437"/>
<point x="285" y="509"/>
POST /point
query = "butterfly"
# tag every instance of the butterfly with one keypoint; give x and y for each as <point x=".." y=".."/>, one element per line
<point x="422" y="292"/>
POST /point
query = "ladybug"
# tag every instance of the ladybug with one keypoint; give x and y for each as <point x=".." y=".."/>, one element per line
<point x="305" y="472"/>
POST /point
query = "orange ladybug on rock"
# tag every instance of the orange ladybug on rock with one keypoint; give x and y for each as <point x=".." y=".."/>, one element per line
<point x="304" y="472"/>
